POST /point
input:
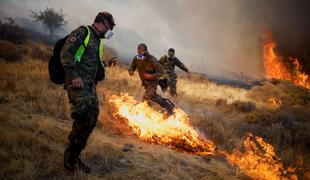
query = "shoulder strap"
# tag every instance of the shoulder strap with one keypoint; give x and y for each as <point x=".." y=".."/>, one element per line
<point x="80" y="51"/>
<point x="100" y="52"/>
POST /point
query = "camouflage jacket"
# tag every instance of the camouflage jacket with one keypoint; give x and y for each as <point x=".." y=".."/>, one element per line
<point x="169" y="65"/>
<point x="148" y="64"/>
<point x="86" y="69"/>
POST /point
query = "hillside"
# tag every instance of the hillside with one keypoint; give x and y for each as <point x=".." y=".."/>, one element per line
<point x="35" y="123"/>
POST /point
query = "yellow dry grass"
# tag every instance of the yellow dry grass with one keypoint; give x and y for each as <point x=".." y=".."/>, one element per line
<point x="35" y="122"/>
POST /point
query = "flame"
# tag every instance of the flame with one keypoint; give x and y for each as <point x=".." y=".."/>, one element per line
<point x="274" y="101"/>
<point x="300" y="79"/>
<point x="275" y="67"/>
<point x="259" y="160"/>
<point x="273" y="63"/>
<point x="152" y="126"/>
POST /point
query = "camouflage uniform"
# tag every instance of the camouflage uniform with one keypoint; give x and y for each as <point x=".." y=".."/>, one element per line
<point x="169" y="73"/>
<point x="84" y="101"/>
<point x="150" y="65"/>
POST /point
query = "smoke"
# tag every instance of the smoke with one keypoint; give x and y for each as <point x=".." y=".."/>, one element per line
<point x="214" y="37"/>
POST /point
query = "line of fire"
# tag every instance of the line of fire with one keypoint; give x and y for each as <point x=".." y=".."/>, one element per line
<point x="257" y="159"/>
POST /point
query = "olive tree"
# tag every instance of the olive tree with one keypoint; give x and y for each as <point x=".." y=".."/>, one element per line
<point x="50" y="18"/>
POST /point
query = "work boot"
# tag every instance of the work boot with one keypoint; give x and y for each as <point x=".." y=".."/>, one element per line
<point x="83" y="167"/>
<point x="69" y="159"/>
<point x="168" y="106"/>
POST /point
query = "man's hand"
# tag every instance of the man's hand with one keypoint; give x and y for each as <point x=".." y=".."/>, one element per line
<point x="188" y="74"/>
<point x="148" y="76"/>
<point x="77" y="83"/>
<point x="110" y="62"/>
<point x="131" y="72"/>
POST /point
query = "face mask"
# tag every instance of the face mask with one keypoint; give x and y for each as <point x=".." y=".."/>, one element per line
<point x="140" y="56"/>
<point x="108" y="34"/>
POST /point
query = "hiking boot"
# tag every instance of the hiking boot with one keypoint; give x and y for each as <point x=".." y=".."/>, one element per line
<point x="169" y="106"/>
<point x="83" y="167"/>
<point x="69" y="160"/>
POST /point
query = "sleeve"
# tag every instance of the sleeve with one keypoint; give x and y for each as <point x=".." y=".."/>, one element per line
<point x="180" y="65"/>
<point x="73" y="42"/>
<point x="156" y="65"/>
<point x="133" y="64"/>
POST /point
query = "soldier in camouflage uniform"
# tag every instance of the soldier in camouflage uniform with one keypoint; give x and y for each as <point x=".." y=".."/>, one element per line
<point x="80" y="85"/>
<point x="149" y="71"/>
<point x="169" y="62"/>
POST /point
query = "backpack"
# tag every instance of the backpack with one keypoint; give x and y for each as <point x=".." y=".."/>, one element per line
<point x="55" y="67"/>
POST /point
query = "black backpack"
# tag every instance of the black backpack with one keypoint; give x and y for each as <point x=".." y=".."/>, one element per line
<point x="55" y="67"/>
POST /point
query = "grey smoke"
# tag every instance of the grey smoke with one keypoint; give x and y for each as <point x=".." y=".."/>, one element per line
<point x="216" y="37"/>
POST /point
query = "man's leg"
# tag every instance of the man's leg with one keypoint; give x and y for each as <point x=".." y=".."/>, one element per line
<point x="172" y="87"/>
<point x="163" y="83"/>
<point x="85" y="112"/>
<point x="151" y="95"/>
<point x="150" y="92"/>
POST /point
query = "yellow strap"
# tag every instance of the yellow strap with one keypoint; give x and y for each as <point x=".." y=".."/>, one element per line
<point x="79" y="53"/>
<point x="101" y="52"/>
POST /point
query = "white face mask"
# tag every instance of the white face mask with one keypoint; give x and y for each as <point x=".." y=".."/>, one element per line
<point x="108" y="34"/>
<point x="140" y="56"/>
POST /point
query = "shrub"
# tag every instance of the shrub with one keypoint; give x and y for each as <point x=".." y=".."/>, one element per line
<point x="39" y="53"/>
<point x="11" y="52"/>
<point x="12" y="32"/>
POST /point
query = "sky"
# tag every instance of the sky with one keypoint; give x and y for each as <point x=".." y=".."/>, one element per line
<point x="217" y="37"/>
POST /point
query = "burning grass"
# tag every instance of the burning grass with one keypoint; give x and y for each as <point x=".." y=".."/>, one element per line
<point x="275" y="66"/>
<point x="152" y="126"/>
<point x="259" y="161"/>
<point x="224" y="123"/>
<point x="274" y="101"/>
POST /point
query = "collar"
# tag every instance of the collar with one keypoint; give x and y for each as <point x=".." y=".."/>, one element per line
<point x="95" y="30"/>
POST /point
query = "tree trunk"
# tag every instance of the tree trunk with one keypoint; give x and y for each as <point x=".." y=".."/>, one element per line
<point x="51" y="34"/>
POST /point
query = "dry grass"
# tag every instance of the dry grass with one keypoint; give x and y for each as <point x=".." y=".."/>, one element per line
<point x="35" y="122"/>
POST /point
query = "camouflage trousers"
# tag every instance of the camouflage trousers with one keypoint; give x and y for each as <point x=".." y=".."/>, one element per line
<point x="84" y="111"/>
<point x="151" y="95"/>
<point x="172" y="84"/>
<point x="150" y="92"/>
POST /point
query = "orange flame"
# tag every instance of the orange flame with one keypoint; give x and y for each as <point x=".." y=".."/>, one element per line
<point x="275" y="67"/>
<point x="273" y="64"/>
<point x="300" y="78"/>
<point x="259" y="160"/>
<point x="151" y="126"/>
<point x="274" y="101"/>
